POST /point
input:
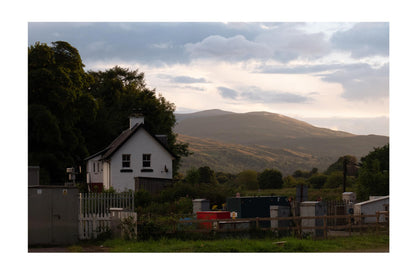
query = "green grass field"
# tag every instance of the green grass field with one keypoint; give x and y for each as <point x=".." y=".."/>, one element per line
<point x="356" y="243"/>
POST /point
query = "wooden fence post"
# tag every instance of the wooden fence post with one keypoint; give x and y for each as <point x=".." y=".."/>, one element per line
<point x="299" y="224"/>
<point x="325" y="227"/>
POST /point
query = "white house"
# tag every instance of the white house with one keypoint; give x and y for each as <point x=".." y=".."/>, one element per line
<point x="135" y="160"/>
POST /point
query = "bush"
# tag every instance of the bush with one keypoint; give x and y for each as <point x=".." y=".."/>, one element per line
<point x="270" y="179"/>
<point x="128" y="228"/>
<point x="148" y="229"/>
<point x="183" y="206"/>
<point x="289" y="181"/>
<point x="247" y="179"/>
<point x="334" y="180"/>
<point x="142" y="198"/>
<point x="317" y="181"/>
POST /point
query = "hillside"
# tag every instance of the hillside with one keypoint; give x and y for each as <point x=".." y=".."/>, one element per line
<point x="201" y="114"/>
<point x="232" y="142"/>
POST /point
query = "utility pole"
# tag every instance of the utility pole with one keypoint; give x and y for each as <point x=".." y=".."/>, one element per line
<point x="345" y="163"/>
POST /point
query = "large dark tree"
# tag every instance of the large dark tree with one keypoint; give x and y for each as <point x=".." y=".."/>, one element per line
<point x="57" y="102"/>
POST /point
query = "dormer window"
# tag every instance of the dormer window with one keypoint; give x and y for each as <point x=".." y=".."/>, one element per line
<point x="146" y="160"/>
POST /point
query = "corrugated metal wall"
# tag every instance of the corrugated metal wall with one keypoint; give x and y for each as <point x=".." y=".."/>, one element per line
<point x="53" y="215"/>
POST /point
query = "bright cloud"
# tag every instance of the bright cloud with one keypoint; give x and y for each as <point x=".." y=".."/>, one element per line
<point x="233" y="48"/>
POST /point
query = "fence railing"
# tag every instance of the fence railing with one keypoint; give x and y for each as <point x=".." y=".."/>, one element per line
<point x="354" y="224"/>
<point x="94" y="211"/>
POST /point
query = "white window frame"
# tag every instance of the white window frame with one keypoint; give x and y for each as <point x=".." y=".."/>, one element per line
<point x="126" y="161"/>
<point x="146" y="160"/>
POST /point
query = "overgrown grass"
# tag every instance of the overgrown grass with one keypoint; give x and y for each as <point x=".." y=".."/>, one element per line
<point x="357" y="243"/>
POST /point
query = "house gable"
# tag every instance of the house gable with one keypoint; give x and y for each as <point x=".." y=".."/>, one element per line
<point x="141" y="155"/>
<point x="125" y="136"/>
<point x="134" y="154"/>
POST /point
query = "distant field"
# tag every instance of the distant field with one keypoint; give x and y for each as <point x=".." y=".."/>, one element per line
<point x="313" y="194"/>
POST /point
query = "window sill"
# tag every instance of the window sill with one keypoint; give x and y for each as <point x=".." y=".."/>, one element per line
<point x="126" y="170"/>
<point x="147" y="170"/>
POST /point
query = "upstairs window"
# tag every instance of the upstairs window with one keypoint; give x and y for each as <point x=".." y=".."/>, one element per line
<point x="146" y="160"/>
<point x="95" y="167"/>
<point x="126" y="160"/>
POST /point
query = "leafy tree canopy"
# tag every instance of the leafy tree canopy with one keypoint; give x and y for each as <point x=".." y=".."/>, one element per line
<point x="56" y="103"/>
<point x="374" y="173"/>
<point x="247" y="179"/>
<point x="305" y="174"/>
<point x="339" y="164"/>
<point x="207" y="175"/>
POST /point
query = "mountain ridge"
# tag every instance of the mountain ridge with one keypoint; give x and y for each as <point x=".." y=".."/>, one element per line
<point x="231" y="142"/>
<point x="198" y="114"/>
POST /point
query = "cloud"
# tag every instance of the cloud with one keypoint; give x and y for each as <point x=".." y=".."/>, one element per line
<point x="194" y="88"/>
<point x="182" y="79"/>
<point x="167" y="43"/>
<point x="174" y="42"/>
<point x="282" y="42"/>
<point x="363" y="40"/>
<point x="289" y="43"/>
<point x="151" y="43"/>
<point x="254" y="94"/>
<point x="361" y="81"/>
<point x="257" y="95"/>
<point x="298" y="69"/>
<point x="186" y="79"/>
<point x="228" y="93"/>
<point x="164" y="45"/>
<point x="233" y="48"/>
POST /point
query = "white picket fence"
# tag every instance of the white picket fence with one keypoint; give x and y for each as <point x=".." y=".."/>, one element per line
<point x="94" y="212"/>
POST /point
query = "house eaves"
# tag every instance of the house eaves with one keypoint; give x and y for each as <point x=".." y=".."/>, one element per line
<point x="124" y="137"/>
<point x="96" y="154"/>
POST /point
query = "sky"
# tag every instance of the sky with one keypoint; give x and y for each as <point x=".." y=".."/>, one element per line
<point x="333" y="75"/>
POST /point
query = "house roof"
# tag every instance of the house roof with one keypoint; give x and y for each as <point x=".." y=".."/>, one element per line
<point x="122" y="138"/>
<point x="373" y="200"/>
<point x="96" y="154"/>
